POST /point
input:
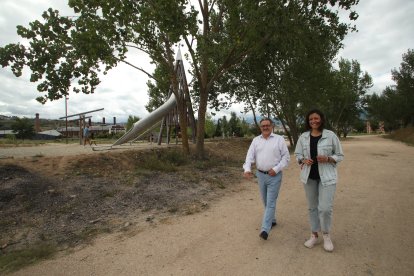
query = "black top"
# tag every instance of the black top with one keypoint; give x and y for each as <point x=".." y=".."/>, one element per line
<point x="314" y="172"/>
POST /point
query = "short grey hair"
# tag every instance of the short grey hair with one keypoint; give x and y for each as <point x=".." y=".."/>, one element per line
<point x="266" y="119"/>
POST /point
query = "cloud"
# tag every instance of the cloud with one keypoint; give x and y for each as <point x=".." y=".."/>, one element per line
<point x="122" y="92"/>
<point x="385" y="34"/>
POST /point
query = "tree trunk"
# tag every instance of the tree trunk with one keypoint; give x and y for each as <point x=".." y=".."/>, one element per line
<point x="204" y="88"/>
<point x="202" y="109"/>
<point x="183" y="126"/>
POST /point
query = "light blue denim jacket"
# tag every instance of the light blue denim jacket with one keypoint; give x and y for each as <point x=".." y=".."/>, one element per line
<point x="328" y="145"/>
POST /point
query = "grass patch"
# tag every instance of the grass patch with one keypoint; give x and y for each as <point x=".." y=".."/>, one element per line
<point x="155" y="164"/>
<point x="16" y="260"/>
<point x="175" y="157"/>
<point x="164" y="161"/>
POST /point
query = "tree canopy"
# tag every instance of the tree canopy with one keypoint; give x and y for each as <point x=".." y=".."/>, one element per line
<point x="24" y="128"/>
<point x="69" y="53"/>
<point x="395" y="105"/>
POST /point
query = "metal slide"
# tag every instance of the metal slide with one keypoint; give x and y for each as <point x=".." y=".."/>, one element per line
<point x="147" y="122"/>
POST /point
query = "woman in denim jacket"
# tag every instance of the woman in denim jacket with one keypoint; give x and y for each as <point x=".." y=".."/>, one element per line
<point x="318" y="152"/>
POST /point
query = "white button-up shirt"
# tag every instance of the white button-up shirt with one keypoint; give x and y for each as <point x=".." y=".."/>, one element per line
<point x="270" y="153"/>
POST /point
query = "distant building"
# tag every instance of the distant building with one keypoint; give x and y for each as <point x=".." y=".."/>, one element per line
<point x="4" y="133"/>
<point x="73" y="131"/>
<point x="48" y="135"/>
<point x="3" y="117"/>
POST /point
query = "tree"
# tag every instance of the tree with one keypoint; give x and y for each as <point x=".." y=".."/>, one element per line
<point x="292" y="71"/>
<point x="159" y="89"/>
<point x="232" y="31"/>
<point x="131" y="121"/>
<point x="346" y="95"/>
<point x="404" y="79"/>
<point x="218" y="132"/>
<point x="395" y="106"/>
<point x="23" y="128"/>
<point x="235" y="125"/>
<point x="225" y="126"/>
<point x="69" y="52"/>
<point x="210" y="127"/>
<point x="219" y="35"/>
<point x="386" y="108"/>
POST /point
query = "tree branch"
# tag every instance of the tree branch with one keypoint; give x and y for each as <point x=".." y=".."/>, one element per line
<point x="138" y="48"/>
<point x="193" y="57"/>
<point x="138" y="68"/>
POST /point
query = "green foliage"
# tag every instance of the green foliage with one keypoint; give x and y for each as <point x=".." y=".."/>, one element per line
<point x="225" y="130"/>
<point x="11" y="138"/>
<point x="24" y="128"/>
<point x="359" y="126"/>
<point x="68" y="53"/>
<point x="131" y="121"/>
<point x="386" y="108"/>
<point x="346" y="96"/>
<point x="253" y="130"/>
<point x="235" y="125"/>
<point x="404" y="79"/>
<point x="218" y="132"/>
<point x="244" y="127"/>
<point x="395" y="106"/>
<point x="158" y="92"/>
<point x="291" y="72"/>
<point x="210" y="127"/>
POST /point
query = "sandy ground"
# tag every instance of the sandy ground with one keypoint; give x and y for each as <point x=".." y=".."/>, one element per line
<point x="372" y="230"/>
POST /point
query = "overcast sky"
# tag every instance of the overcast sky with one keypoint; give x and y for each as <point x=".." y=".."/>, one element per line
<point x="386" y="31"/>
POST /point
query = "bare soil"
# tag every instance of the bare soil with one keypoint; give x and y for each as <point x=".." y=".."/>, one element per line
<point x="212" y="227"/>
<point x="66" y="201"/>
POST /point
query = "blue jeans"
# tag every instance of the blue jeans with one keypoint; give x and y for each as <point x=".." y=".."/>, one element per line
<point x="269" y="189"/>
<point x="320" y="204"/>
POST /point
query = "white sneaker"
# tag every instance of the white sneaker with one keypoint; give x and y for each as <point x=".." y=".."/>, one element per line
<point x="327" y="243"/>
<point x="311" y="242"/>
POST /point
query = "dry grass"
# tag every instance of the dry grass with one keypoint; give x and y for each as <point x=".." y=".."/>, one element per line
<point x="405" y="135"/>
<point x="80" y="197"/>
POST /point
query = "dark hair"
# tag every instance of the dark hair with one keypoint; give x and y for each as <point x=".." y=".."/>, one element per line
<point x="317" y="111"/>
<point x="266" y="119"/>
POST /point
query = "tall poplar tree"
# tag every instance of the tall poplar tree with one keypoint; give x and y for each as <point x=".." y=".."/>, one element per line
<point x="69" y="52"/>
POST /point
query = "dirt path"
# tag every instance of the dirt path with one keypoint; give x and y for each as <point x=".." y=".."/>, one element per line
<point x="52" y="149"/>
<point x="372" y="231"/>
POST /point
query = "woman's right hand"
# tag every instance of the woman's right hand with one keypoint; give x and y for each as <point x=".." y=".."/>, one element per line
<point x="308" y="162"/>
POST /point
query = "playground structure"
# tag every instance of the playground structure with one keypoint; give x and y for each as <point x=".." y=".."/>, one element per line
<point x="166" y="115"/>
<point x="82" y="122"/>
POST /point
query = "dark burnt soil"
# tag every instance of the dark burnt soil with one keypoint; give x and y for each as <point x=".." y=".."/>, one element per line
<point x="66" y="201"/>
